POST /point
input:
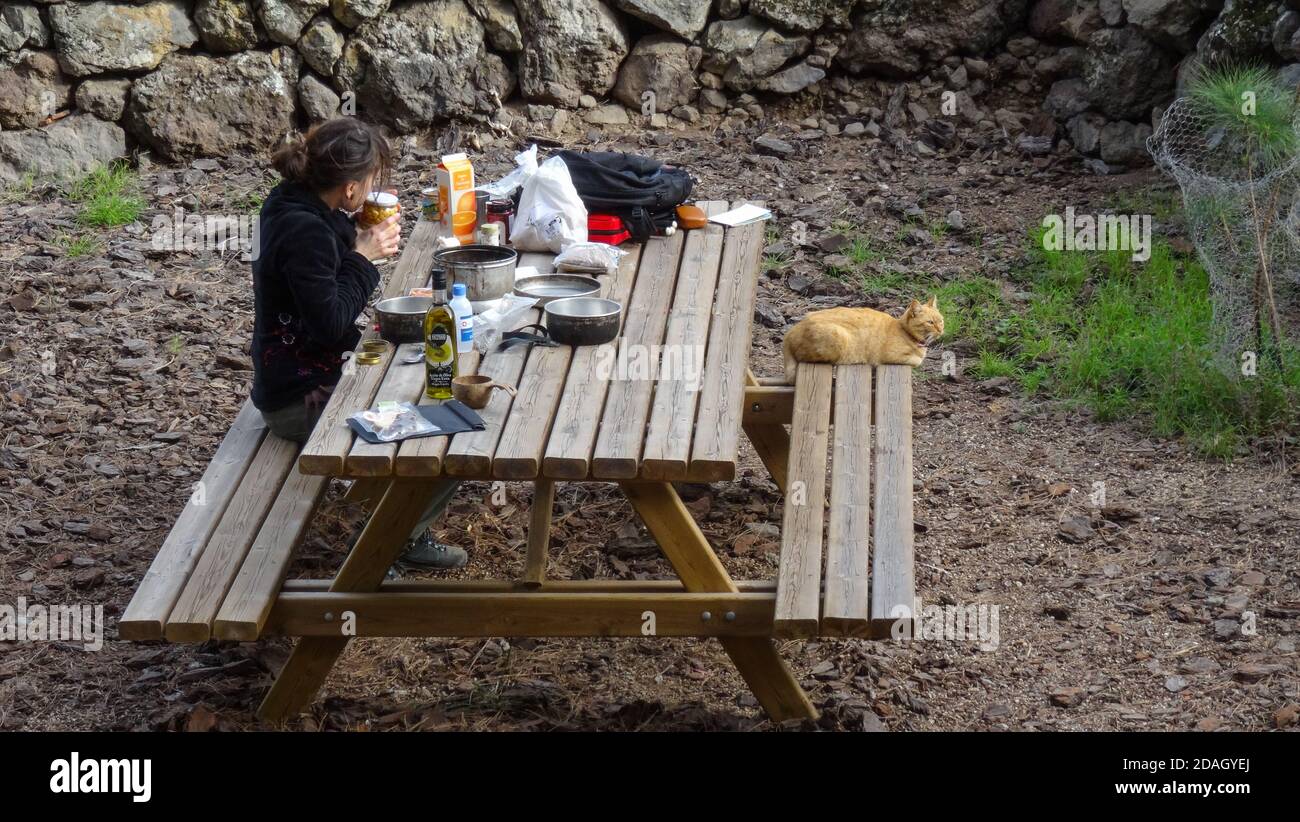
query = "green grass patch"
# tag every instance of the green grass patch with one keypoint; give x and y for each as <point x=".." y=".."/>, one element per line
<point x="82" y="246"/>
<point x="107" y="196"/>
<point x="1127" y="340"/>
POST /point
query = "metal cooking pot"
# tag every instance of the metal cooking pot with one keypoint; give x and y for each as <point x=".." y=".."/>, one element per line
<point x="401" y="319"/>
<point x="583" y="320"/>
<point x="488" y="271"/>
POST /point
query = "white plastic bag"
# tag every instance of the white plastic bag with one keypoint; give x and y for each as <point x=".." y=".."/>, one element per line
<point x="525" y="167"/>
<point x="551" y="214"/>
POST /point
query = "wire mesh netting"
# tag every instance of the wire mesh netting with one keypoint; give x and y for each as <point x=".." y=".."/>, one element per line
<point x="1242" y="213"/>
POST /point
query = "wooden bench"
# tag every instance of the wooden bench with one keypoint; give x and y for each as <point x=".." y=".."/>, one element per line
<point x="865" y="593"/>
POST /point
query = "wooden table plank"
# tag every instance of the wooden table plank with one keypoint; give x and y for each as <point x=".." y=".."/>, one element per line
<point x="163" y="583"/>
<point x="672" y="416"/>
<point x="577" y="420"/>
<point x="470" y="454"/>
<point x="848" y="557"/>
<point x="402" y="383"/>
<point x="627" y="406"/>
<point x="893" y="590"/>
<point x="718" y="420"/>
<point x="798" y="588"/>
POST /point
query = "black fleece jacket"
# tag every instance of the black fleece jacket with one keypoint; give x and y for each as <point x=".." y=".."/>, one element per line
<point x="309" y="285"/>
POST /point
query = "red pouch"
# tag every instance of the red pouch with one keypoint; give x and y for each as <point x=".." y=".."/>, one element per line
<point x="607" y="228"/>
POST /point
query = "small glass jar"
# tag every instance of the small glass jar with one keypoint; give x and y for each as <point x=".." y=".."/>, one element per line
<point x="501" y="211"/>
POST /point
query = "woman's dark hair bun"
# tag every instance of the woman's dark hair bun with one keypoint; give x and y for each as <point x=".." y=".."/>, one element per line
<point x="291" y="158"/>
<point x="336" y="151"/>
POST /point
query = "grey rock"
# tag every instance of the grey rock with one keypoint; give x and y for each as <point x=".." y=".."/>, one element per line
<point x="106" y="99"/>
<point x="284" y="20"/>
<point x="1112" y="11"/>
<point x="195" y="105"/>
<point x="685" y="18"/>
<point x="855" y="129"/>
<point x="92" y="38"/>
<point x="571" y="48"/>
<point x="712" y="100"/>
<point x="747" y="50"/>
<point x="1066" y="99"/>
<point x="226" y="25"/>
<point x="659" y="63"/>
<point x="955" y="220"/>
<point x="768" y="315"/>
<point x="688" y="113"/>
<point x="1126" y="74"/>
<point x="1124" y="143"/>
<point x="773" y="146"/>
<point x="317" y="100"/>
<point x="353" y="13"/>
<point x="795" y="78"/>
<point x="501" y="22"/>
<point x="1085" y="132"/>
<point x="321" y="45"/>
<point x="1075" y="529"/>
<point x="877" y="52"/>
<point x="1172" y="23"/>
<point x="610" y="114"/>
<point x="1241" y="33"/>
<point x="423" y="62"/>
<point x="70" y="147"/>
<point x="798" y="15"/>
<point x="31" y="88"/>
<point x="21" y="27"/>
<point x="1286" y="35"/>
<point x="729" y="9"/>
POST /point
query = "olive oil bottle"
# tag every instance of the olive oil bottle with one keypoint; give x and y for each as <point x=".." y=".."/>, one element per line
<point x="440" y="331"/>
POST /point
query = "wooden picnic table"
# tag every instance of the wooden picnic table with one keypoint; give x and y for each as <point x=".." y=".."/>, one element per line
<point x="575" y="418"/>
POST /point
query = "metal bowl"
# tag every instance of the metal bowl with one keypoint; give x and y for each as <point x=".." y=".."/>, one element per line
<point x="583" y="320"/>
<point x="549" y="287"/>
<point x="401" y="319"/>
<point x="488" y="271"/>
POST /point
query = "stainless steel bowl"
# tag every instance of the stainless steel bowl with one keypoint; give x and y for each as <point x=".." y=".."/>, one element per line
<point x="401" y="319"/>
<point x="488" y="271"/>
<point x="549" y="287"/>
<point x="583" y="320"/>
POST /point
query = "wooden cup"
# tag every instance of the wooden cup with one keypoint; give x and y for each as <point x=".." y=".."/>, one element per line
<point x="476" y="390"/>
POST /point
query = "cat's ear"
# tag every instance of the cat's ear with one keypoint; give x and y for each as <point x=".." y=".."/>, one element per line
<point x="934" y="301"/>
<point x="911" y="309"/>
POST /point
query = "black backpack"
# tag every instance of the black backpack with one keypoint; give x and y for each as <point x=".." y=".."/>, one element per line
<point x="643" y="192"/>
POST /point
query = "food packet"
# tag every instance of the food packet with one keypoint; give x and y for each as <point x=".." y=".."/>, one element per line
<point x="589" y="258"/>
<point x="390" y="421"/>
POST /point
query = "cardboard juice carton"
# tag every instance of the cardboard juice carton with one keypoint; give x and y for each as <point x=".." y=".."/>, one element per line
<point x="456" y="192"/>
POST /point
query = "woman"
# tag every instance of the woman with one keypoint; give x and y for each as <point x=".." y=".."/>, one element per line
<point x="313" y="273"/>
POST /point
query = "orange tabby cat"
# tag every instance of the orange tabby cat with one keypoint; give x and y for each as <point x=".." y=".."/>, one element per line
<point x="845" y="336"/>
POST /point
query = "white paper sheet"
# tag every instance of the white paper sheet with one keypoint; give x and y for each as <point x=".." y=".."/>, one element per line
<point x="744" y="215"/>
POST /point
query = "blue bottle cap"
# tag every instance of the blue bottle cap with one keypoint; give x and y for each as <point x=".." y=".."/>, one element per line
<point x="458" y="290"/>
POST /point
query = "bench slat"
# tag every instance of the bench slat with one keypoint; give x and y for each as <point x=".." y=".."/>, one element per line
<point x="893" y="591"/>
<point x="672" y="417"/>
<point x="470" y="454"/>
<point x="568" y="451"/>
<point x="798" y="588"/>
<point x="623" y="423"/>
<point x="145" y="617"/>
<point x="848" y="538"/>
<point x="191" y="619"/>
<point x="245" y="608"/>
<point x="726" y="361"/>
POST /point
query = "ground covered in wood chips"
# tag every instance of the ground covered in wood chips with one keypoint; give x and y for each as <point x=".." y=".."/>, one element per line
<point x="121" y="367"/>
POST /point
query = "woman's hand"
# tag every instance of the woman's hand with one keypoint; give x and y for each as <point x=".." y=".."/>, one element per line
<point x="380" y="240"/>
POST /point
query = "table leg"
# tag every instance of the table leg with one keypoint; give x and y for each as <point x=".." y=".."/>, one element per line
<point x="700" y="571"/>
<point x="539" y="532"/>
<point x="366" y="492"/>
<point x="381" y="543"/>
<point x="771" y="442"/>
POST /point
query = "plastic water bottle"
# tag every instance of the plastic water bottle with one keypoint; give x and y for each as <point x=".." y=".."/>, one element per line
<point x="464" y="319"/>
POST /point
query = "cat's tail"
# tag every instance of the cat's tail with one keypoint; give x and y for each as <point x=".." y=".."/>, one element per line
<point x="791" y="366"/>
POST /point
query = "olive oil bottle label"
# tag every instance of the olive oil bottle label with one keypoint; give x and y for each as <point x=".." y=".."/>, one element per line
<point x="439" y="360"/>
